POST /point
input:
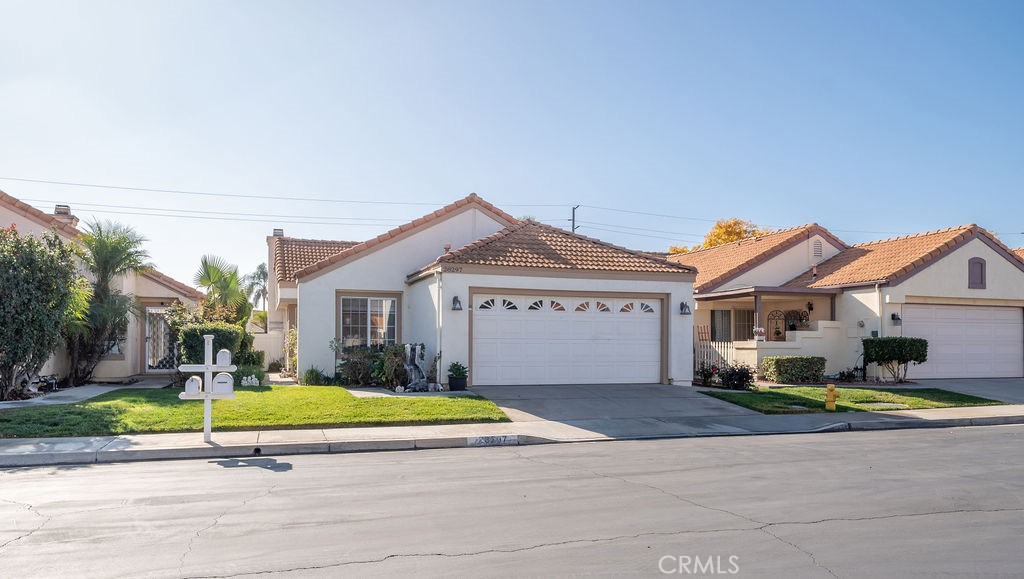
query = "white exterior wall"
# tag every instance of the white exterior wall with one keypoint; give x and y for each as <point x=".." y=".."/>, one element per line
<point x="946" y="279"/>
<point x="381" y="270"/>
<point x="783" y="267"/>
<point x="422" y="313"/>
<point x="455" y="326"/>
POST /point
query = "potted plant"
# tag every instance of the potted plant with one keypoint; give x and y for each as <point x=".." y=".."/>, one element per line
<point x="457" y="376"/>
<point x="759" y="334"/>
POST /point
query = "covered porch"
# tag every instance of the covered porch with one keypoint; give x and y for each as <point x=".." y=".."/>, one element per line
<point x="742" y="326"/>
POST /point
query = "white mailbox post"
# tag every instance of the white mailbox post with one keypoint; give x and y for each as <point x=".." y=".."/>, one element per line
<point x="210" y="387"/>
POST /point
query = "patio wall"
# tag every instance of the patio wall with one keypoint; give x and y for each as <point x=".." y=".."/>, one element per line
<point x="826" y="340"/>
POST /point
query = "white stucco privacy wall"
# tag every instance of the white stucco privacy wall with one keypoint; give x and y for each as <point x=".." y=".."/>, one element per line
<point x="381" y="269"/>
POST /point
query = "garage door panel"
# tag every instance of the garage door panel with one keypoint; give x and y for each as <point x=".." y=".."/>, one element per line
<point x="967" y="341"/>
<point x="546" y="346"/>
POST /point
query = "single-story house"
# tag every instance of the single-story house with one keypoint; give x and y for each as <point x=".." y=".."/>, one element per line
<point x="518" y="302"/>
<point x="960" y="288"/>
<point x="148" y="347"/>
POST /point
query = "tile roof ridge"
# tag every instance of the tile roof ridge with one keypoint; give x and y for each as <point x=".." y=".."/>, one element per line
<point x="289" y="238"/>
<point x="31" y="212"/>
<point x="746" y="240"/>
<point x="596" y="241"/>
<point x="960" y="228"/>
<point x="486" y="240"/>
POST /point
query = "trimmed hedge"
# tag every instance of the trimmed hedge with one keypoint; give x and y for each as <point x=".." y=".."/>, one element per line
<point x="895" y="354"/>
<point x="193" y="347"/>
<point x="793" y="369"/>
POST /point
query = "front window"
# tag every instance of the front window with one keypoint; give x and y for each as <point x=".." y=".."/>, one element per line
<point x="744" y="321"/>
<point x="721" y="326"/>
<point x="369" y="321"/>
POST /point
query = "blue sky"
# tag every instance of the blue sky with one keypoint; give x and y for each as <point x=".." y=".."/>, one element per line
<point x="870" y="118"/>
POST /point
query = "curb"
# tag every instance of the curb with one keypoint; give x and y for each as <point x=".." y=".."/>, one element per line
<point x="341" y="447"/>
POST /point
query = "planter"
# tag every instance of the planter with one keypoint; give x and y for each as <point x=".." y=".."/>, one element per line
<point x="456" y="382"/>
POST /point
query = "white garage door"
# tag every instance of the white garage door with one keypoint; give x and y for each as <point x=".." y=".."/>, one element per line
<point x="565" y="340"/>
<point x="967" y="341"/>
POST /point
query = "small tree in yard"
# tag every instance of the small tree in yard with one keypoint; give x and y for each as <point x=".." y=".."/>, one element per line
<point x="37" y="293"/>
<point x="895" y="354"/>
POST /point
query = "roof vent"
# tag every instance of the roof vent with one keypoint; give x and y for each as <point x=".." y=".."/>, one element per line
<point x="63" y="214"/>
<point x="279" y="233"/>
<point x="814" y="272"/>
<point x="818" y="249"/>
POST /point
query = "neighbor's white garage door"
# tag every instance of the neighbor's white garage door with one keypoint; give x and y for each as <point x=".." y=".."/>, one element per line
<point x="967" y="341"/>
<point x="565" y="340"/>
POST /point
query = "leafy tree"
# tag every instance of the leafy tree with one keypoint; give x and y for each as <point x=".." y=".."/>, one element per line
<point x="223" y="286"/>
<point x="722" y="232"/>
<point x="255" y="285"/>
<point x="111" y="251"/>
<point x="37" y="281"/>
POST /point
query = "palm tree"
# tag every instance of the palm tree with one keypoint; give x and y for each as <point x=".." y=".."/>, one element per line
<point x="255" y="285"/>
<point x="111" y="250"/>
<point x="223" y="287"/>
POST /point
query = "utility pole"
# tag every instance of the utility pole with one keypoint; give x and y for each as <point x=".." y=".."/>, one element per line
<point x="574" y="217"/>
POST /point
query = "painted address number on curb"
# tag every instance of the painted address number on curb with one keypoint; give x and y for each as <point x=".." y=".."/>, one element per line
<point x="502" y="440"/>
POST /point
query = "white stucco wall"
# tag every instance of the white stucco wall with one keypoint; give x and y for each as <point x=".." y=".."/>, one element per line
<point x="382" y="270"/>
<point x="455" y="327"/>
<point x="784" y="266"/>
<point x="946" y="278"/>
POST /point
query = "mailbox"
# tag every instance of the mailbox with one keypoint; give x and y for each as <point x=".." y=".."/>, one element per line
<point x="193" y="385"/>
<point x="224" y="358"/>
<point x="223" y="383"/>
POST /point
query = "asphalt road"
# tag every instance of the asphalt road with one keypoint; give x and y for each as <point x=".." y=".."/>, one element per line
<point x="856" y="504"/>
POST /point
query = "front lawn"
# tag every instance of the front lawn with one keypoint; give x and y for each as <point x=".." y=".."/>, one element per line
<point x="137" y="411"/>
<point x="804" y="399"/>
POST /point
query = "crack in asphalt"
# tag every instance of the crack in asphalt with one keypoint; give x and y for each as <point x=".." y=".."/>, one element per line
<point x="30" y="508"/>
<point x="215" y="522"/>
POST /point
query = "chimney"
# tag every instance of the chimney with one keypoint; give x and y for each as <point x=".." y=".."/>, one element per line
<point x="63" y="214"/>
<point x="447" y="248"/>
<point x="279" y="233"/>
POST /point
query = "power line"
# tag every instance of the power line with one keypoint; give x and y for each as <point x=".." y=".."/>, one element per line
<point x="630" y="233"/>
<point x="693" y="235"/>
<point x="246" y="196"/>
<point x="212" y="218"/>
<point x="235" y="213"/>
<point x="652" y="214"/>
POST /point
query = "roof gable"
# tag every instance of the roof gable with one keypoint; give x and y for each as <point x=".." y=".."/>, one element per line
<point x="530" y="244"/>
<point x="359" y="250"/>
<point x="717" y="265"/>
<point x="893" y="260"/>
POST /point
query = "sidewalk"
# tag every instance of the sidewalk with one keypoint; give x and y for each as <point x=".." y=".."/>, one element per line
<point x="80" y="393"/>
<point x="87" y="450"/>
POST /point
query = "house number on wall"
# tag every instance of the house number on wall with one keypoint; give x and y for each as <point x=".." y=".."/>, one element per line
<point x="451" y="269"/>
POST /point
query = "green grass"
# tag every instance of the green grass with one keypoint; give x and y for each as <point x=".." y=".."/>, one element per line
<point x="782" y="400"/>
<point x="137" y="411"/>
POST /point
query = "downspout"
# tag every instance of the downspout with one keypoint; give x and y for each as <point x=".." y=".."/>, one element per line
<point x="881" y="325"/>
<point x="440" y="326"/>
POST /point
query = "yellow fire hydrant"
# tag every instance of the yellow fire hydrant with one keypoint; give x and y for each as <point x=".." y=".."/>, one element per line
<point x="830" y="397"/>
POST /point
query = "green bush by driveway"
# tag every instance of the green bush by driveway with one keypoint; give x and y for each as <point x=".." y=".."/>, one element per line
<point x="137" y="411"/>
<point x="793" y="369"/>
<point x="804" y="399"/>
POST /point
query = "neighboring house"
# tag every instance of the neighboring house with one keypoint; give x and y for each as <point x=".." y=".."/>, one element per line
<point x="517" y="301"/>
<point x="148" y="346"/>
<point x="959" y="288"/>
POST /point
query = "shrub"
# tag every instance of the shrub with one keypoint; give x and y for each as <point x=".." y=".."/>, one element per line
<point x="793" y="369"/>
<point x="356" y="365"/>
<point x="706" y="373"/>
<point x="245" y="371"/>
<point x="291" y="350"/>
<point x="389" y="367"/>
<point x="193" y="346"/>
<point x="895" y="354"/>
<point x="275" y="366"/>
<point x="738" y="377"/>
<point x="252" y="358"/>
<point x="315" y="377"/>
<point x="457" y="370"/>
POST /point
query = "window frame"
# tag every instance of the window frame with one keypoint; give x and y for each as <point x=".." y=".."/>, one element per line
<point x="367" y="295"/>
<point x="721" y="322"/>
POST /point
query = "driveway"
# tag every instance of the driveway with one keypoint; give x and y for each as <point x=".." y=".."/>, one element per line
<point x="1002" y="389"/>
<point x="617" y="409"/>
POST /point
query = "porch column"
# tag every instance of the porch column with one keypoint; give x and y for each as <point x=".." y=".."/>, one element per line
<point x="832" y="307"/>
<point x="757" y="311"/>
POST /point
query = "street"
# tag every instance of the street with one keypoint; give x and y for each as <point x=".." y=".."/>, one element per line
<point x="856" y="504"/>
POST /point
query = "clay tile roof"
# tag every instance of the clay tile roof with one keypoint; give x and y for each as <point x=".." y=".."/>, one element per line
<point x="349" y="253"/>
<point x="292" y="254"/>
<point x="174" y="284"/>
<point x="890" y="259"/>
<point x="717" y="265"/>
<point x="532" y="244"/>
<point x="1020" y="252"/>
